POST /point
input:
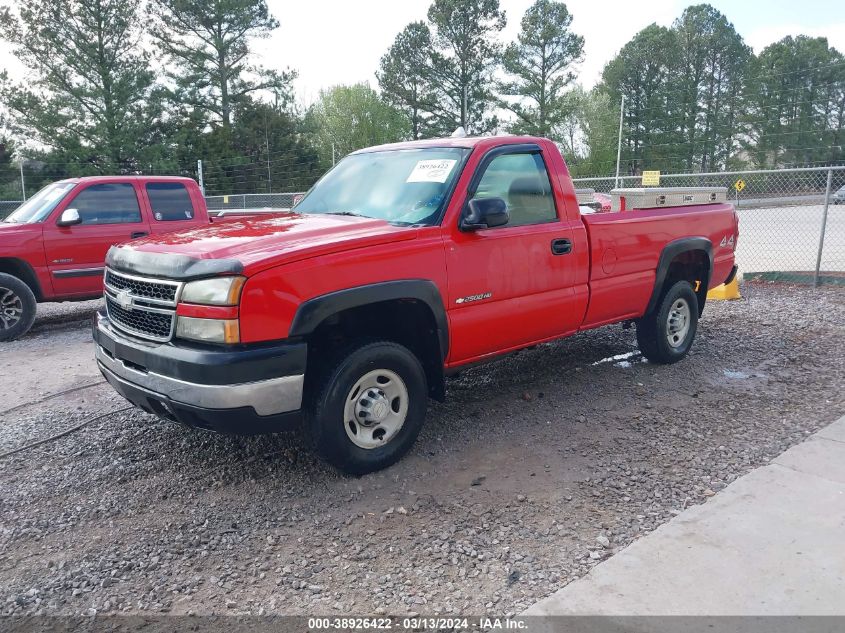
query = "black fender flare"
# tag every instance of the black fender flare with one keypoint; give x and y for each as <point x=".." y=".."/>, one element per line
<point x="24" y="271"/>
<point x="670" y="252"/>
<point x="314" y="311"/>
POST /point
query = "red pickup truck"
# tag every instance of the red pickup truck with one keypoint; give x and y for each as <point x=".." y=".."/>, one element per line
<point x="403" y="264"/>
<point x="53" y="247"/>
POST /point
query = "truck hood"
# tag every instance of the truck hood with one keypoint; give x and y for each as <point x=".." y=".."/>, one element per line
<point x="250" y="245"/>
<point x="13" y="234"/>
<point x="15" y="228"/>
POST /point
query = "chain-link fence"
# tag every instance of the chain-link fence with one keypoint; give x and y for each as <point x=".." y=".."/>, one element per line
<point x="785" y="225"/>
<point x="239" y="202"/>
<point x="790" y="220"/>
<point x="7" y="206"/>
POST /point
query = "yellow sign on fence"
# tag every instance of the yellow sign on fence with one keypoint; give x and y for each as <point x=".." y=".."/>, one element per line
<point x="651" y="179"/>
<point x="739" y="185"/>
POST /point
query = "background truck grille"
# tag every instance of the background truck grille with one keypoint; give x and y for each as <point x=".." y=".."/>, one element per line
<point x="149" y="289"/>
<point x="141" y="307"/>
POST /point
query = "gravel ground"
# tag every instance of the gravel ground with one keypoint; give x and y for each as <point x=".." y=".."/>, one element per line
<point x="66" y="312"/>
<point x="537" y="468"/>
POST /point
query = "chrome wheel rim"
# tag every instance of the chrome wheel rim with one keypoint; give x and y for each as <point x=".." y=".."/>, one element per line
<point x="678" y="323"/>
<point x="11" y="309"/>
<point x="376" y="408"/>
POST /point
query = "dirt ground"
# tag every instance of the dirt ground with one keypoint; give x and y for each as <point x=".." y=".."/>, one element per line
<point x="536" y="468"/>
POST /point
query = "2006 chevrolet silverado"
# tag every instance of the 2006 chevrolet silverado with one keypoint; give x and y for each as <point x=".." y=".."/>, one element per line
<point x="403" y="264"/>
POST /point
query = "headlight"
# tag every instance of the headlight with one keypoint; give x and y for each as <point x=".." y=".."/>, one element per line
<point x="219" y="291"/>
<point x="208" y="330"/>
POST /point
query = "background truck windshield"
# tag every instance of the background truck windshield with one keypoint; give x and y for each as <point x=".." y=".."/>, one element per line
<point x="39" y="206"/>
<point x="402" y="186"/>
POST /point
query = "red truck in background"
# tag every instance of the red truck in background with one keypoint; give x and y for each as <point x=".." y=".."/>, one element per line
<point x="403" y="264"/>
<point x="53" y="247"/>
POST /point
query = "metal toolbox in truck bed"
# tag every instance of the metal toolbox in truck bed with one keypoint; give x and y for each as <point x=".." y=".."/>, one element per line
<point x="656" y="197"/>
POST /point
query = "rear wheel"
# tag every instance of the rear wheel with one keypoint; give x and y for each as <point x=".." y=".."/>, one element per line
<point x="370" y="407"/>
<point x="17" y="307"/>
<point x="665" y="335"/>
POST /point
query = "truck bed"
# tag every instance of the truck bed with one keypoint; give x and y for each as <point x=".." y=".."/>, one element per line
<point x="625" y="248"/>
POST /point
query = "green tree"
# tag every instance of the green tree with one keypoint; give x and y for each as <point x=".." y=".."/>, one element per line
<point x="711" y="70"/>
<point x="598" y="115"/>
<point x="208" y="47"/>
<point x="797" y="104"/>
<point x="89" y="92"/>
<point x="684" y="93"/>
<point x="642" y="72"/>
<point x="404" y="76"/>
<point x="541" y="62"/>
<point x="9" y="184"/>
<point x="264" y="150"/>
<point x="465" y="56"/>
<point x="347" y="118"/>
<point x="568" y="126"/>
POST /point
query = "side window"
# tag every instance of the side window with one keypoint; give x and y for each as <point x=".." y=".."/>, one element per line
<point x="521" y="180"/>
<point x="170" y="201"/>
<point x="111" y="203"/>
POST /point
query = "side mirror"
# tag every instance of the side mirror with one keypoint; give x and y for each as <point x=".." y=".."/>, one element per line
<point x="69" y="217"/>
<point x="485" y="213"/>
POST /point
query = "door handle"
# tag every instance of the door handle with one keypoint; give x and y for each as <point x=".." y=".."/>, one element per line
<point x="138" y="234"/>
<point x="561" y="246"/>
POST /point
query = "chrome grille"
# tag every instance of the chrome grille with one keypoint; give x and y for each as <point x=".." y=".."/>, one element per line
<point x="142" y="307"/>
<point x="151" y="325"/>
<point x="154" y="289"/>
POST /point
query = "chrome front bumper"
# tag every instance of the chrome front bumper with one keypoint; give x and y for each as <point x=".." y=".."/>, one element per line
<point x="266" y="397"/>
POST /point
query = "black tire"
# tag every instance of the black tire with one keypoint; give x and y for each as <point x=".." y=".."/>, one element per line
<point x="17" y="307"/>
<point x="654" y="329"/>
<point x="326" y="426"/>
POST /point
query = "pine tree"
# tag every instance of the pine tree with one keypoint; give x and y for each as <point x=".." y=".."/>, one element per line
<point x="465" y="56"/>
<point x="542" y="63"/>
<point x="207" y="44"/>
<point x="404" y="76"/>
<point x="89" y="93"/>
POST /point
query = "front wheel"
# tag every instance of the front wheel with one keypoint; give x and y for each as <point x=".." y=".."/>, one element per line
<point x="665" y="335"/>
<point x="370" y="407"/>
<point x="17" y="307"/>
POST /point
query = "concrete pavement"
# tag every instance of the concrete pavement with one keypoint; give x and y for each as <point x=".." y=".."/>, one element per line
<point x="771" y="543"/>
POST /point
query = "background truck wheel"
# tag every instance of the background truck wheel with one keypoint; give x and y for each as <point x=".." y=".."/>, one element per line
<point x="17" y="307"/>
<point x="666" y="334"/>
<point x="369" y="408"/>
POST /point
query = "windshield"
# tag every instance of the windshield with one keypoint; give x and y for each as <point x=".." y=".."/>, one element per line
<point x="401" y="186"/>
<point x="39" y="206"/>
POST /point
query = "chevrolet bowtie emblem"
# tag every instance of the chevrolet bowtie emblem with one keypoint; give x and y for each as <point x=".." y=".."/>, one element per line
<point x="125" y="300"/>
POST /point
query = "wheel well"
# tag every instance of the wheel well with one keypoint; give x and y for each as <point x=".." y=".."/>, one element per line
<point x="23" y="271"/>
<point x="692" y="266"/>
<point x="409" y="322"/>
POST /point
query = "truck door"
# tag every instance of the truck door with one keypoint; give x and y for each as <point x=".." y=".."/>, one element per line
<point x="109" y="214"/>
<point x="512" y="285"/>
<point x="171" y="208"/>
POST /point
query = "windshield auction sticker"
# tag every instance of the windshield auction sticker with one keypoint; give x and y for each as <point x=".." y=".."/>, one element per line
<point x="435" y="170"/>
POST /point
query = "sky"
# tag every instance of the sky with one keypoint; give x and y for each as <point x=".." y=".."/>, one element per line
<point x="352" y="36"/>
<point x="329" y="42"/>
